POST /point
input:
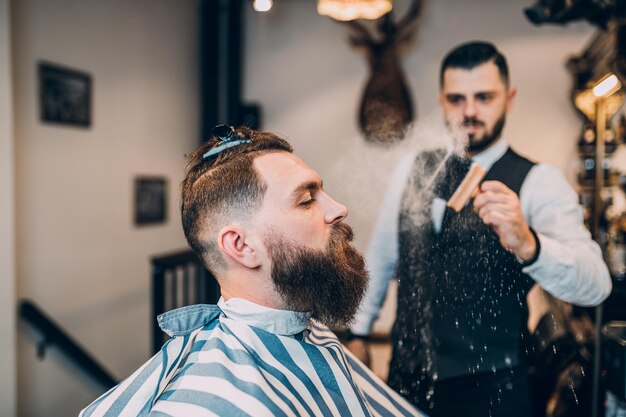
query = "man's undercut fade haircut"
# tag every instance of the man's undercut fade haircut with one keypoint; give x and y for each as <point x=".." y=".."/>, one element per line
<point x="472" y="54"/>
<point x="223" y="188"/>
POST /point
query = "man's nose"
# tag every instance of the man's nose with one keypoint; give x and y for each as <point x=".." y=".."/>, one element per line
<point x="336" y="212"/>
<point x="470" y="109"/>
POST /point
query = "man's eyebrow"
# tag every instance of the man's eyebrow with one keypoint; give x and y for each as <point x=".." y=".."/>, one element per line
<point x="307" y="186"/>
<point x="486" y="92"/>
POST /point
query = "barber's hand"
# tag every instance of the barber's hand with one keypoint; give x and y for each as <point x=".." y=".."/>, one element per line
<point x="499" y="207"/>
<point x="360" y="349"/>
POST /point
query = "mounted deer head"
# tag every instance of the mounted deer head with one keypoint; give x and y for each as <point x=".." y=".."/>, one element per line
<point x="386" y="108"/>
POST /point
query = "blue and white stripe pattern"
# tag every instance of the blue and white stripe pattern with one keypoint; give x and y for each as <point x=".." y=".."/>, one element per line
<point x="217" y="364"/>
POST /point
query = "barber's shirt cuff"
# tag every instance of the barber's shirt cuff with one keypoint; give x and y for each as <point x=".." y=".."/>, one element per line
<point x="532" y="260"/>
<point x="551" y="262"/>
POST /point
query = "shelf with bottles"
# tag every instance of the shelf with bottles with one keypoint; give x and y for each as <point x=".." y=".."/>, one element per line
<point x="611" y="225"/>
<point x="587" y="174"/>
<point x="587" y="201"/>
<point x="614" y="240"/>
<point x="612" y="197"/>
<point x="613" y="136"/>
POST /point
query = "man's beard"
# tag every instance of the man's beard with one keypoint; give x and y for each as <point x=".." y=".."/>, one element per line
<point x="327" y="283"/>
<point x="475" y="144"/>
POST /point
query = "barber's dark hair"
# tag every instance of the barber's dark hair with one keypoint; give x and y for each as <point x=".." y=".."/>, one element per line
<point x="472" y="54"/>
<point x="222" y="188"/>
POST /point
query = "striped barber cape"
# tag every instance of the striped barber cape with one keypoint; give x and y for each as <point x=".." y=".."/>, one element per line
<point x="218" y="364"/>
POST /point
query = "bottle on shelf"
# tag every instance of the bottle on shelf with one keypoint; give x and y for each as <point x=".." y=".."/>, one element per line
<point x="589" y="168"/>
<point x="621" y="128"/>
<point x="586" y="202"/>
<point x="606" y="169"/>
<point x="588" y="172"/>
<point x="610" y="144"/>
<point x="587" y="141"/>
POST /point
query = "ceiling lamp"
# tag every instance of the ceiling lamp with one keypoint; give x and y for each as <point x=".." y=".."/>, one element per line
<point x="354" y="9"/>
<point x="262" y="5"/>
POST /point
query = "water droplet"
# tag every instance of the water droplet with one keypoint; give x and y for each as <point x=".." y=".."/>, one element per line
<point x="507" y="360"/>
<point x="430" y="393"/>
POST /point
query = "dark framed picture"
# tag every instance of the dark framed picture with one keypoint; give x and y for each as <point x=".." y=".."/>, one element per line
<point x="150" y="200"/>
<point x="65" y="95"/>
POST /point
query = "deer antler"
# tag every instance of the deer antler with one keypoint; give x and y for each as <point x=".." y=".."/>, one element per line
<point x="362" y="36"/>
<point x="392" y="32"/>
<point x="398" y="32"/>
<point x="411" y="16"/>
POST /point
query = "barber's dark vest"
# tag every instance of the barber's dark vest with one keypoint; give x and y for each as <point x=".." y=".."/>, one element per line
<point x="461" y="295"/>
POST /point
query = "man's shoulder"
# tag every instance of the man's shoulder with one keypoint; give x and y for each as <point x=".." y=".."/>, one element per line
<point x="546" y="186"/>
<point x="537" y="170"/>
<point x="511" y="152"/>
<point x="545" y="173"/>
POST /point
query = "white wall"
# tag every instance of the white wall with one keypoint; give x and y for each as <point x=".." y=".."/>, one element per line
<point x="300" y="66"/>
<point x="79" y="256"/>
<point x="8" y="382"/>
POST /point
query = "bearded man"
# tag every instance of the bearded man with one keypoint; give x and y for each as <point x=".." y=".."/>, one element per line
<point x="260" y="221"/>
<point x="459" y="336"/>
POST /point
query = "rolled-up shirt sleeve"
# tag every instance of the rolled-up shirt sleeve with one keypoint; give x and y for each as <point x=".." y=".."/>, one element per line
<point x="570" y="264"/>
<point x="382" y="253"/>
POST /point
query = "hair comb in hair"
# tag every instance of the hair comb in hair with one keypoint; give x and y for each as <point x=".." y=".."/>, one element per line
<point x="228" y="137"/>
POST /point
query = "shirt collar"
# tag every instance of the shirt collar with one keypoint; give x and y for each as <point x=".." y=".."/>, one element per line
<point x="282" y="322"/>
<point x="490" y="155"/>
<point x="185" y="320"/>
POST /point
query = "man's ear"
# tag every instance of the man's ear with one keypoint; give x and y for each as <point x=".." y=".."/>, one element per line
<point x="510" y="97"/>
<point x="232" y="242"/>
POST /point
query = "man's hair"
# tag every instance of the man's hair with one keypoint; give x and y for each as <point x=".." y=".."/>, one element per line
<point x="223" y="188"/>
<point x="472" y="54"/>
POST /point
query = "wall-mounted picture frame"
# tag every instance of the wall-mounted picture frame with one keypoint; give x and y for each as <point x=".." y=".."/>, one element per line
<point x="65" y="95"/>
<point x="150" y="200"/>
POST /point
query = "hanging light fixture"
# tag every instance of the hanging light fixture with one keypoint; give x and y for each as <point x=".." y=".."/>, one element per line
<point x="345" y="10"/>
<point x="262" y="5"/>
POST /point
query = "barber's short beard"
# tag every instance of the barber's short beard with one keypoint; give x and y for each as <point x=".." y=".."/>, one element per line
<point x="327" y="283"/>
<point x="478" y="144"/>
